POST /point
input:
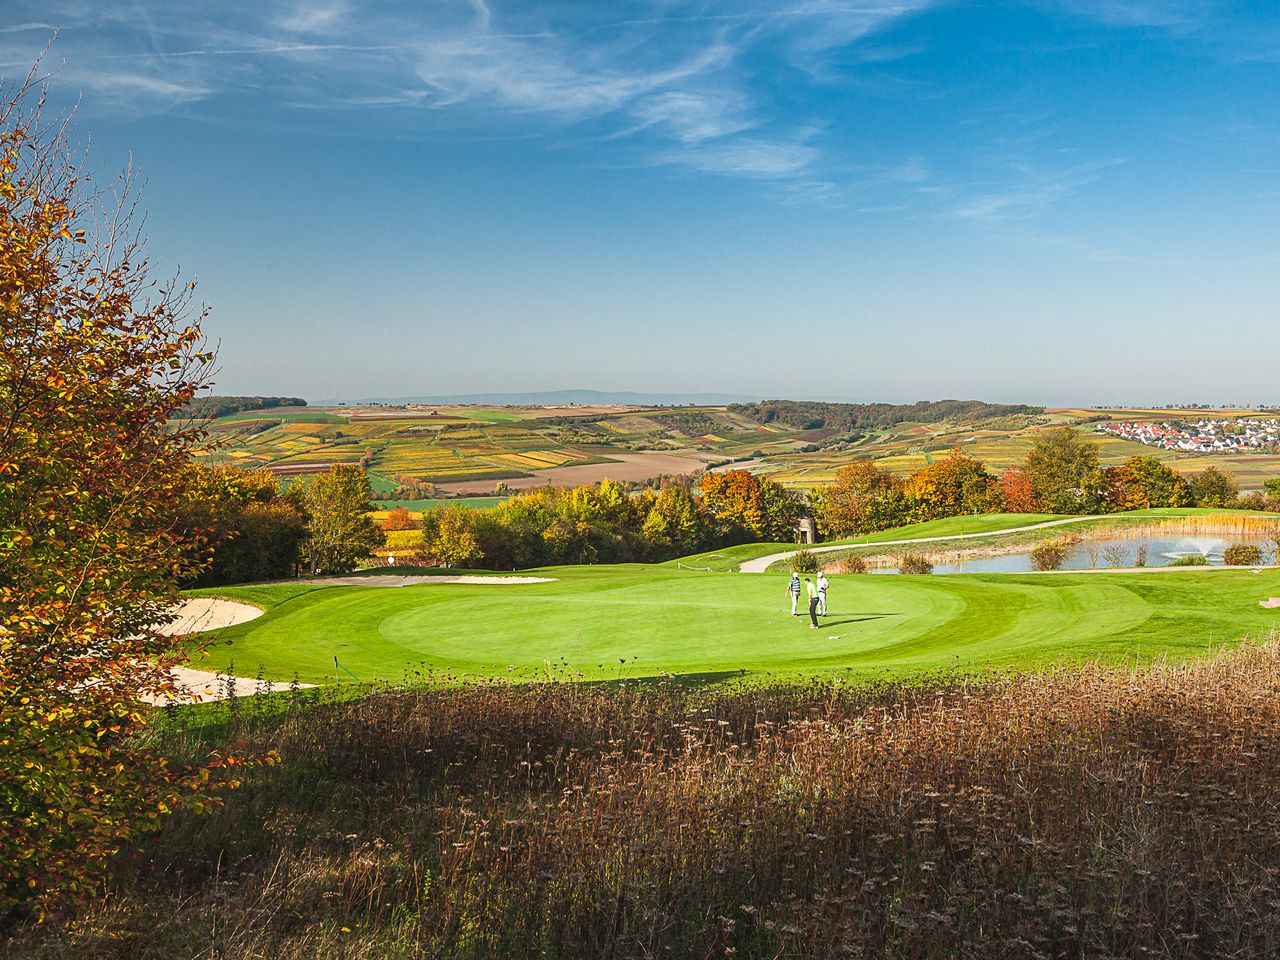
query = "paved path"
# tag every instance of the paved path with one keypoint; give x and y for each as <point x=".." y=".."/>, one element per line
<point x="761" y="564"/>
<point x="408" y="580"/>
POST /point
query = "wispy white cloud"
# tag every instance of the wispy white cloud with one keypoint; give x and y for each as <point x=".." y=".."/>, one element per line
<point x="29" y="27"/>
<point x="543" y="76"/>
<point x="695" y="116"/>
<point x="1215" y="29"/>
<point x="1025" y="192"/>
<point x="748" y="157"/>
<point x="315" y="17"/>
<point x="676" y="77"/>
<point x="1172" y="14"/>
<point x="684" y="84"/>
<point x="262" y="50"/>
<point x="911" y="170"/>
<point x="123" y="86"/>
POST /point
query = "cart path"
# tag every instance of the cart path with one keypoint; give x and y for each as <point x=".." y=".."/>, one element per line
<point x="409" y="580"/>
<point x="761" y="564"/>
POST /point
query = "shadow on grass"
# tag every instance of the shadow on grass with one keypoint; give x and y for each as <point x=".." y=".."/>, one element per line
<point x="822" y="622"/>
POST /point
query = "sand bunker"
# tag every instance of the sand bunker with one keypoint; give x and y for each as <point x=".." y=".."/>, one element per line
<point x="209" y="613"/>
<point x="1272" y="604"/>
<point x="202" y="686"/>
<point x="197" y="615"/>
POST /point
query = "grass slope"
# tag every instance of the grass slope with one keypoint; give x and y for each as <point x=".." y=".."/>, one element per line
<point x="636" y="620"/>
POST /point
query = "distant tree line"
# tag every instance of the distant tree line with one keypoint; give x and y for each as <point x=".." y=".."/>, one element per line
<point x="848" y="417"/>
<point x="1061" y="474"/>
<point x="209" y="408"/>
<point x="694" y="423"/>
<point x="606" y="524"/>
<point x="252" y="529"/>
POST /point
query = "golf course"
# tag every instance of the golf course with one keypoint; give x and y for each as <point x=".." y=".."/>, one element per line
<point x="637" y="620"/>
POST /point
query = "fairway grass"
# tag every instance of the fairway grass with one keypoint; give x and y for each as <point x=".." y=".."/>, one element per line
<point x="606" y="622"/>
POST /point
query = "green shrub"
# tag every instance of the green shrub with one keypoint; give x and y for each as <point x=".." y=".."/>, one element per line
<point x="1242" y="555"/>
<point x="1049" y="556"/>
<point x="804" y="560"/>
<point x="852" y="563"/>
<point x="915" y="563"/>
<point x="1191" y="560"/>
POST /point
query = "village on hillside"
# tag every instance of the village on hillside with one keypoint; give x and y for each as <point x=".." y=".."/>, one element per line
<point x="1202" y="436"/>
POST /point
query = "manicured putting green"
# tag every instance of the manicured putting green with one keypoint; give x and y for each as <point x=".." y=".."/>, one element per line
<point x="657" y="619"/>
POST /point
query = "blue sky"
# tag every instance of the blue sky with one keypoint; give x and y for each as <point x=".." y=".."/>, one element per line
<point x="1048" y="200"/>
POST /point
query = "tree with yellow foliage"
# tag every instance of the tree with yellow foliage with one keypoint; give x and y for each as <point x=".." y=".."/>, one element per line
<point x="95" y="356"/>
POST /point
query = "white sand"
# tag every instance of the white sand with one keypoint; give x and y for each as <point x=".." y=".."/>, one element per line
<point x="195" y="616"/>
<point x="209" y="613"/>
<point x="202" y="686"/>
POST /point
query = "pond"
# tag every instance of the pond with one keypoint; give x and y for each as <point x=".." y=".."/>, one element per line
<point x="1098" y="553"/>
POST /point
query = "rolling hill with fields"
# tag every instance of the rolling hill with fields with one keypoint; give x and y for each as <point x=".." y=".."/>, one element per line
<point x="467" y="450"/>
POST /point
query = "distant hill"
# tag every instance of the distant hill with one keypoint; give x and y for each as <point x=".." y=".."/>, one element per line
<point x="808" y="415"/>
<point x="556" y="398"/>
<point x="207" y="408"/>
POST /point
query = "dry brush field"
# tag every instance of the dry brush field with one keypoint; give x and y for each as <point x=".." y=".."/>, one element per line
<point x="1098" y="813"/>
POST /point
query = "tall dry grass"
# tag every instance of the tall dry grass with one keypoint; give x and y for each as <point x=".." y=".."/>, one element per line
<point x="1231" y="525"/>
<point x="1099" y="813"/>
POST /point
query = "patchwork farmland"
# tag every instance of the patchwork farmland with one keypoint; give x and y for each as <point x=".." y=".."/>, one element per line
<point x="469" y="451"/>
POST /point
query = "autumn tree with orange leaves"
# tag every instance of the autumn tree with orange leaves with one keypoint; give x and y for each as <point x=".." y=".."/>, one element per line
<point x="743" y="504"/>
<point x="1144" y="482"/>
<point x="1018" y="492"/>
<point x="862" y="499"/>
<point x="955" y="485"/>
<point x="94" y="358"/>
